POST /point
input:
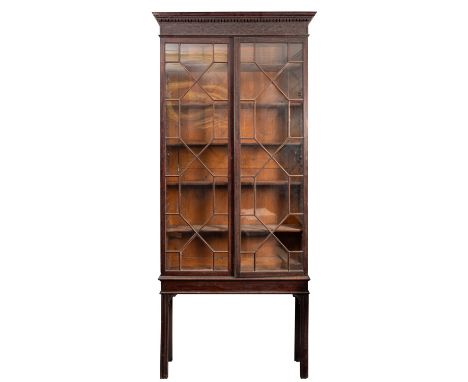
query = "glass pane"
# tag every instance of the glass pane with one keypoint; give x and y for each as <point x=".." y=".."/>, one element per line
<point x="196" y="58"/>
<point x="271" y="256"/>
<point x="172" y="261"/>
<point x="289" y="157"/>
<point x="196" y="118"/>
<point x="290" y="81"/>
<point x="178" y="233"/>
<point x="215" y="81"/>
<point x="221" y="261"/>
<point x="197" y="256"/>
<point x="221" y="120"/>
<point x="271" y="158"/>
<point x="296" y="261"/>
<point x="178" y="158"/>
<point x="178" y="80"/>
<point x="172" y="52"/>
<point x="252" y="81"/>
<point x="271" y="116"/>
<point x="247" y="262"/>
<point x="296" y="115"/>
<point x="247" y="52"/>
<point x="246" y="120"/>
<point x="271" y="57"/>
<point x="295" y="52"/>
<point x="220" y="53"/>
<point x="172" y="119"/>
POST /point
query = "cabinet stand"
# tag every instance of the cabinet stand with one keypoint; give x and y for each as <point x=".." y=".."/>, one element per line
<point x="172" y="287"/>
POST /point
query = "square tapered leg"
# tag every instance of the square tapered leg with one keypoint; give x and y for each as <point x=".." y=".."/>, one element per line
<point x="296" y="329"/>
<point x="169" y="357"/>
<point x="304" y="335"/>
<point x="164" y="366"/>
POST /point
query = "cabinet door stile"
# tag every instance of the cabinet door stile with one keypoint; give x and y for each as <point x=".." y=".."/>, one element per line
<point x="231" y="188"/>
<point x="235" y="159"/>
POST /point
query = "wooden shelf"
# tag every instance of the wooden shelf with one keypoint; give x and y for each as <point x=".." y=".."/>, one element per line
<point x="270" y="183"/>
<point x="260" y="228"/>
<point x="295" y="102"/>
<point x="218" y="103"/>
<point x="252" y="228"/>
<point x="223" y="184"/>
<point x="273" y="144"/>
<point x="253" y="144"/>
<point x="196" y="144"/>
<point x="208" y="228"/>
<point x="196" y="184"/>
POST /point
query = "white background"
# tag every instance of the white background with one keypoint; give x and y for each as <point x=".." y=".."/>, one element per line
<point x="79" y="196"/>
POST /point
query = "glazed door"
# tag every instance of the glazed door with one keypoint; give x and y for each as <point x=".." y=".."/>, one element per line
<point x="233" y="136"/>
<point x="195" y="104"/>
<point x="270" y="141"/>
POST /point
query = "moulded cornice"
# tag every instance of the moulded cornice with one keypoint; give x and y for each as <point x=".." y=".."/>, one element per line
<point x="240" y="17"/>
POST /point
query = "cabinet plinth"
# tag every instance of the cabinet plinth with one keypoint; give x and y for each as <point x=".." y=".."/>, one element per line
<point x="233" y="102"/>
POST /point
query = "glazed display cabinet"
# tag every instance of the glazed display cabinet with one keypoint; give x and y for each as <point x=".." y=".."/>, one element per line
<point x="234" y="160"/>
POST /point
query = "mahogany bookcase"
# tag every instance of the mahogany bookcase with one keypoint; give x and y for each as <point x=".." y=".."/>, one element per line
<point x="234" y="160"/>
